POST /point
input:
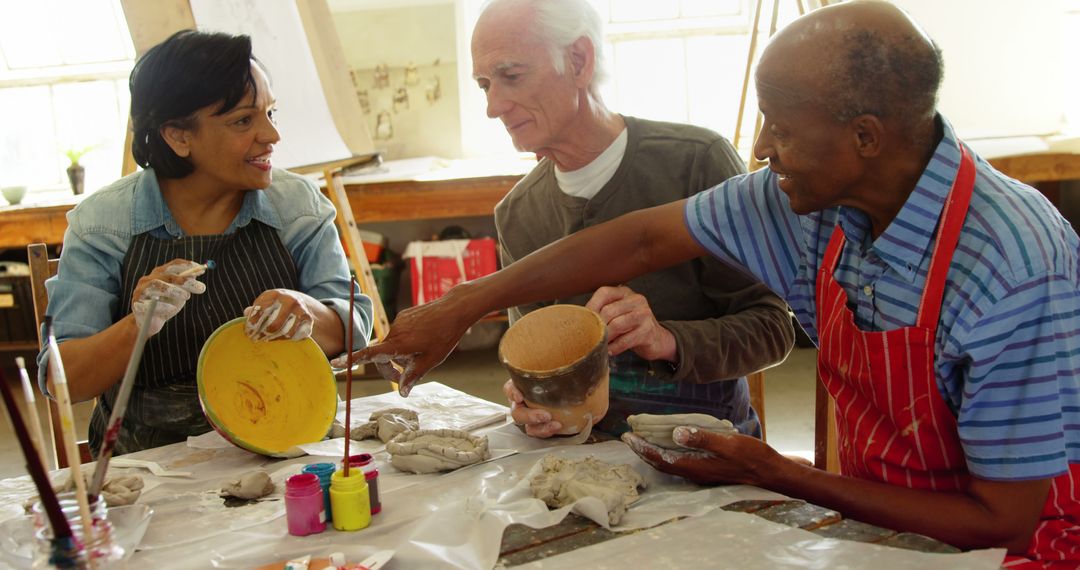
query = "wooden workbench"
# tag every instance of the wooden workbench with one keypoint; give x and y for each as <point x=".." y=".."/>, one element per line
<point x="449" y="198"/>
<point x="372" y="202"/>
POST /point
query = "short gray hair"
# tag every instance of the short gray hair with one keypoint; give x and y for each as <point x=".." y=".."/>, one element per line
<point x="560" y="23"/>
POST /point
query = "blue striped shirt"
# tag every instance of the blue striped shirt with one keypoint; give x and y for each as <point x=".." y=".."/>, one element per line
<point x="1008" y="343"/>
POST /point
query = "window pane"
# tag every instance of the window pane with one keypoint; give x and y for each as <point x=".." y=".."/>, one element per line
<point x="90" y="31"/>
<point x="703" y="8"/>
<point x="24" y="38"/>
<point x="87" y="115"/>
<point x="28" y="153"/>
<point x="650" y="78"/>
<point x="715" y="67"/>
<point x="639" y="10"/>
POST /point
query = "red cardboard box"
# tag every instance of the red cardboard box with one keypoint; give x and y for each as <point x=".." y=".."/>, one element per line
<point x="439" y="265"/>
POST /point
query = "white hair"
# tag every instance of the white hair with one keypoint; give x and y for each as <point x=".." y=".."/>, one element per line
<point x="560" y="23"/>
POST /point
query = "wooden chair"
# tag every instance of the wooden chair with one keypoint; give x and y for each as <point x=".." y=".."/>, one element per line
<point x="41" y="268"/>
<point x="756" y="383"/>
<point x="825" y="450"/>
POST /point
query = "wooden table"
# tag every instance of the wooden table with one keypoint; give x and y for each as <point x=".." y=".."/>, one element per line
<point x="451" y="198"/>
<point x="522" y="544"/>
<point x="372" y="202"/>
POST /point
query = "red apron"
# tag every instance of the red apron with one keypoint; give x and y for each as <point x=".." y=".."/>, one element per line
<point x="893" y="424"/>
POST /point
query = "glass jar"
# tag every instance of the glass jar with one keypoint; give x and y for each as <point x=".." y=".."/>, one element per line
<point x="102" y="549"/>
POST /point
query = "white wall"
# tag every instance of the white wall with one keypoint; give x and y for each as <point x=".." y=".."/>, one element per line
<point x="1005" y="62"/>
<point x="395" y="36"/>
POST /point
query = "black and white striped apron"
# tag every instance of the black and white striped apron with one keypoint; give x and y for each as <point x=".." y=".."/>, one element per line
<point x="164" y="405"/>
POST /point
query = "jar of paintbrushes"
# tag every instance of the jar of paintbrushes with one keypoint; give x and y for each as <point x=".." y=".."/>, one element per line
<point x="99" y="550"/>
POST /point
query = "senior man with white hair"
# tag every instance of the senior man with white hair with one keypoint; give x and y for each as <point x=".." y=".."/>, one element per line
<point x="682" y="338"/>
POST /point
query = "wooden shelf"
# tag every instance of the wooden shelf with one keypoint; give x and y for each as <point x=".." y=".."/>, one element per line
<point x="371" y="202"/>
<point x="21" y="346"/>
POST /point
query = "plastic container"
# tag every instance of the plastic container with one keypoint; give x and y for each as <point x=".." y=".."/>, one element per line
<point x="323" y="471"/>
<point x="366" y="463"/>
<point x="349" y="500"/>
<point x="305" y="510"/>
<point x="104" y="551"/>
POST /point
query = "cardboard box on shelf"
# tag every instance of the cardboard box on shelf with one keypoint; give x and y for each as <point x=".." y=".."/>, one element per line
<point x="439" y="265"/>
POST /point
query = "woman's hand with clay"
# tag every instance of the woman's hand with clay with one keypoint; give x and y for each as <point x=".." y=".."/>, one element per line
<point x="537" y="423"/>
<point x="279" y="314"/>
<point x="172" y="284"/>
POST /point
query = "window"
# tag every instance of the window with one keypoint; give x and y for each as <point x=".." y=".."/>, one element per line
<point x="685" y="61"/>
<point x="1071" y="33"/>
<point x="63" y="86"/>
<point x="680" y="61"/>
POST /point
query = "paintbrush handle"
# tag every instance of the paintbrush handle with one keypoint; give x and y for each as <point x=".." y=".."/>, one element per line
<point x="67" y="430"/>
<point x="112" y="430"/>
<point x="192" y="271"/>
<point x="31" y="410"/>
<point x="60" y="526"/>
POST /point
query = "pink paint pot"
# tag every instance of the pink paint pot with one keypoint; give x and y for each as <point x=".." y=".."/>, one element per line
<point x="304" y="506"/>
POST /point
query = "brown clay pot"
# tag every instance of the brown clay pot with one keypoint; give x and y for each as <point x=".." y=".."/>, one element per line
<point x="557" y="357"/>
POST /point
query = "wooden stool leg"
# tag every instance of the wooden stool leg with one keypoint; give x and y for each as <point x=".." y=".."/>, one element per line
<point x="756" y="383"/>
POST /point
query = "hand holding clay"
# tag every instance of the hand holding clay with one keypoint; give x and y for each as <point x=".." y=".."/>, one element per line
<point x="657" y="429"/>
<point x="712" y="458"/>
<point x="278" y="313"/>
<point x="631" y="324"/>
<point x="172" y="284"/>
<point x="420" y="338"/>
<point x="537" y="423"/>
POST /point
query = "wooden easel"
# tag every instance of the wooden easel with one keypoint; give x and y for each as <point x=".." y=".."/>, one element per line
<point x="350" y="235"/>
<point x="754" y="163"/>
<point x="825" y="456"/>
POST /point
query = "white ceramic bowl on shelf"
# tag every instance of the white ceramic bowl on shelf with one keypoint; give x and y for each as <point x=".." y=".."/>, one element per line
<point x="13" y="194"/>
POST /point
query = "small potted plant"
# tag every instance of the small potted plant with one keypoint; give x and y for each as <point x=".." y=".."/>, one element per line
<point x="76" y="173"/>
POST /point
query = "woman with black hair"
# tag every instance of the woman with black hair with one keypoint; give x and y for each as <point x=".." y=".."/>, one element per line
<point x="202" y="114"/>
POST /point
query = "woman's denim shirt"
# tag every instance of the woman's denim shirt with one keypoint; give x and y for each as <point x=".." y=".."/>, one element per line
<point x="84" y="294"/>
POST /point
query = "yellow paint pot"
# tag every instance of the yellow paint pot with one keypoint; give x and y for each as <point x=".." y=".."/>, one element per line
<point x="265" y="397"/>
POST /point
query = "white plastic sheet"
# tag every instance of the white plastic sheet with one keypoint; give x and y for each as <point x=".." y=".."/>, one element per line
<point x="722" y="539"/>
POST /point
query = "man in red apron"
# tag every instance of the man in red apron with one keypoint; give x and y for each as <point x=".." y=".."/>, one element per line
<point x="944" y="296"/>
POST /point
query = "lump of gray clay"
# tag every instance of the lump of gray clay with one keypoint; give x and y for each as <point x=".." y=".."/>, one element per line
<point x="429" y="451"/>
<point x="117" y="490"/>
<point x="657" y="429"/>
<point x="384" y="424"/>
<point x="563" y="482"/>
<point x="254" y="485"/>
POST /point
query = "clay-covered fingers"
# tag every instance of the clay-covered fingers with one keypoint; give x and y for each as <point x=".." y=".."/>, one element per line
<point x="186" y="272"/>
<point x="278" y="314"/>
<point x="169" y="288"/>
<point x="512" y="393"/>
<point x="700" y="467"/>
<point x="536" y="423"/>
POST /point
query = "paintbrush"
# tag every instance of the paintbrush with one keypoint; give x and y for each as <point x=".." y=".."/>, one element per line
<point x="60" y="526"/>
<point x="198" y="267"/>
<point x="31" y="409"/>
<point x="348" y="375"/>
<point x="112" y="430"/>
<point x="67" y="430"/>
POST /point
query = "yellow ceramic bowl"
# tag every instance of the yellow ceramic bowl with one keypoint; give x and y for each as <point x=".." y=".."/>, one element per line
<point x="265" y="397"/>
